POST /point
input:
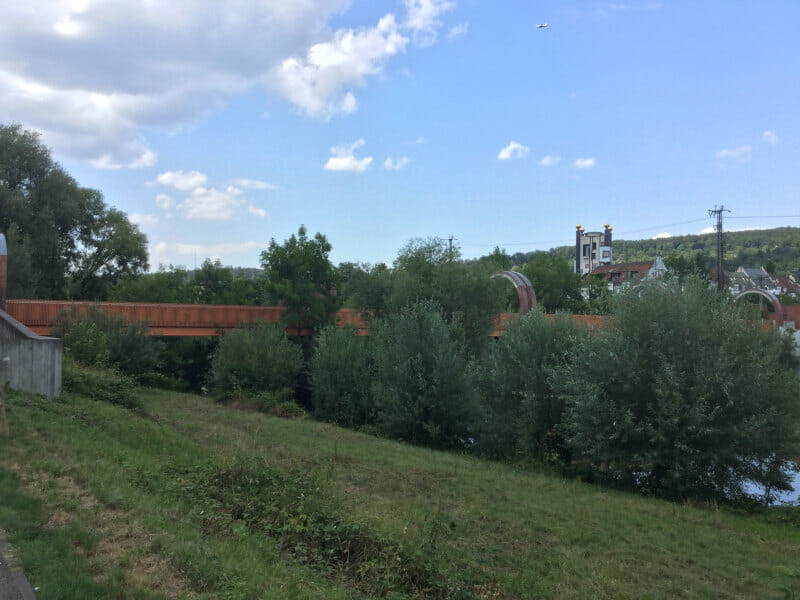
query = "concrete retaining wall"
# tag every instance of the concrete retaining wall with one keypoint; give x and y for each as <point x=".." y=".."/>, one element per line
<point x="29" y="362"/>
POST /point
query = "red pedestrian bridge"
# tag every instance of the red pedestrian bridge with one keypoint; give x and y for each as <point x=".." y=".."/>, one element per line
<point x="213" y="319"/>
<point x="41" y="316"/>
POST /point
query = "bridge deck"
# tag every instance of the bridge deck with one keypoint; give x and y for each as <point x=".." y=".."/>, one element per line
<point x="213" y="319"/>
<point x="163" y="319"/>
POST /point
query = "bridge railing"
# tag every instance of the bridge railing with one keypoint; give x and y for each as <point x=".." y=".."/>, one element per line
<point x="163" y="319"/>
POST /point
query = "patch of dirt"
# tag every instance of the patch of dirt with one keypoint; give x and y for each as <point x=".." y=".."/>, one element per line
<point x="56" y="520"/>
<point x="121" y="540"/>
<point x="9" y="555"/>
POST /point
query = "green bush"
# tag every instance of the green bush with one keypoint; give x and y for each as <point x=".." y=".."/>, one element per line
<point x="86" y="343"/>
<point x="103" y="385"/>
<point x="254" y="360"/>
<point x="188" y="359"/>
<point x="519" y="385"/>
<point x="341" y="376"/>
<point x="684" y="397"/>
<point x="97" y="338"/>
<point x="421" y="389"/>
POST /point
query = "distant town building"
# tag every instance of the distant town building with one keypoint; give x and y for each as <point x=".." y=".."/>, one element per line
<point x="627" y="274"/>
<point x="788" y="285"/>
<point x="592" y="249"/>
<point x="746" y="278"/>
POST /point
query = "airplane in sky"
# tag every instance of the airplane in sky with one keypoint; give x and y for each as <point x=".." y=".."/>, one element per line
<point x="541" y="26"/>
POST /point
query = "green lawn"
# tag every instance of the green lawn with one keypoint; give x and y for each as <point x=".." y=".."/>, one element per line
<point x="190" y="499"/>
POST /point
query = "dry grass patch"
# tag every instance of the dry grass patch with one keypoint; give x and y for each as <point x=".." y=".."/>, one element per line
<point x="118" y="542"/>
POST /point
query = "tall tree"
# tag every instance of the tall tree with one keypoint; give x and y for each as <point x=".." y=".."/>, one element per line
<point x="301" y="276"/>
<point x="556" y="285"/>
<point x="684" y="266"/>
<point x="66" y="239"/>
<point x="431" y="269"/>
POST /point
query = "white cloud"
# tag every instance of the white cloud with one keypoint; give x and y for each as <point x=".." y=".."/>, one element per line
<point x="254" y="210"/>
<point x="419" y="140"/>
<point x="423" y="19"/>
<point x="140" y="219"/>
<point x="343" y="158"/>
<point x="216" y="249"/>
<point x="550" y="161"/>
<point x="729" y="229"/>
<point x="315" y="83"/>
<point x="67" y="27"/>
<point x="165" y="202"/>
<point x="584" y="163"/>
<point x="183" y="180"/>
<point x="212" y="204"/>
<point x="661" y="236"/>
<point x="253" y="184"/>
<point x="163" y="253"/>
<point x="457" y="31"/>
<point x="740" y="154"/>
<point x="208" y="203"/>
<point x="769" y="137"/>
<point x="141" y="157"/>
<point x="395" y="165"/>
<point x="92" y="76"/>
<point x="513" y="150"/>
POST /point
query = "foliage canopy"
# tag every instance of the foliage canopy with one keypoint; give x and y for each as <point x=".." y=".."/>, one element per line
<point x="301" y="276"/>
<point x="63" y="241"/>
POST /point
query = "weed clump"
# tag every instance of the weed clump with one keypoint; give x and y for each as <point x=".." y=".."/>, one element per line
<point x="251" y="497"/>
<point x="102" y="385"/>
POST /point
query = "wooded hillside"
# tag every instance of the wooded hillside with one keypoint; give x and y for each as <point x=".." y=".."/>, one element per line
<point x="751" y="248"/>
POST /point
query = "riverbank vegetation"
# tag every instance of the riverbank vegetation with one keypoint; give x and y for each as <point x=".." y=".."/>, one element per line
<point x="678" y="395"/>
<point x="185" y="497"/>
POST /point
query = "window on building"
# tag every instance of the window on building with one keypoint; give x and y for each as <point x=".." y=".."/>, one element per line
<point x="606" y="253"/>
<point x="587" y="250"/>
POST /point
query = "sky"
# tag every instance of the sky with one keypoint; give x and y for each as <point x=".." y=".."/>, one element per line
<point x="218" y="126"/>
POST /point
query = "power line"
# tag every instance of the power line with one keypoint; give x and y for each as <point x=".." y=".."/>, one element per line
<point x="768" y="217"/>
<point x="568" y="242"/>
<point x="662" y="226"/>
<point x="561" y="241"/>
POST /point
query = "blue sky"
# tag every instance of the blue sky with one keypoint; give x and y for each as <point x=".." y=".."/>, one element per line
<point x="218" y="126"/>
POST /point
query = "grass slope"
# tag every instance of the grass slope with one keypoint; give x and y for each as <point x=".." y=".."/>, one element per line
<point x="189" y="499"/>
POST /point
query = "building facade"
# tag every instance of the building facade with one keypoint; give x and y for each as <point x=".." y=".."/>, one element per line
<point x="592" y="249"/>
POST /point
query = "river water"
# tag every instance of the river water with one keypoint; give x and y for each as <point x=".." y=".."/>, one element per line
<point x="792" y="497"/>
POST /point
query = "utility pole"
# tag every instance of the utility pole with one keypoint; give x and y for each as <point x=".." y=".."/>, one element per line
<point x="720" y="245"/>
<point x="449" y="247"/>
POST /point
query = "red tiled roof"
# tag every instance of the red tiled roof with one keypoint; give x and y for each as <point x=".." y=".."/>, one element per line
<point x="786" y="283"/>
<point x="606" y="271"/>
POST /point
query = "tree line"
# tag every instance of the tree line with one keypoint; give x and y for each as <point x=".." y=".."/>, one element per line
<point x="778" y="250"/>
<point x="63" y="240"/>
<point x="680" y="396"/>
